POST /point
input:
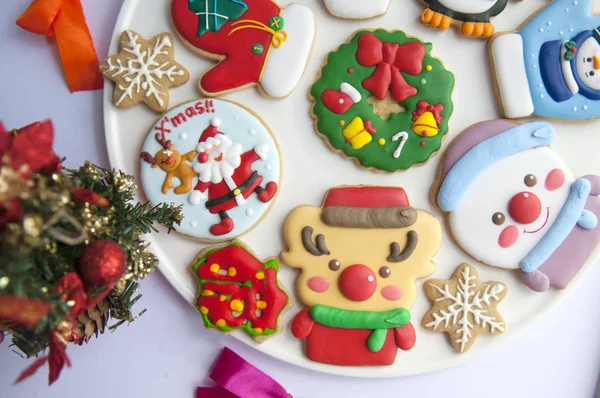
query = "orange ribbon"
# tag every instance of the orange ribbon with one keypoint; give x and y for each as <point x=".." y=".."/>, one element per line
<point x="65" y="20"/>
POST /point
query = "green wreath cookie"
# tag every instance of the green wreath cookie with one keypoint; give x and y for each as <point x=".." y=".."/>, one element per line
<point x="383" y="100"/>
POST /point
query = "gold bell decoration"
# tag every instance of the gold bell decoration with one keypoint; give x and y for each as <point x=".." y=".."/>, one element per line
<point x="359" y="133"/>
<point x="427" y="119"/>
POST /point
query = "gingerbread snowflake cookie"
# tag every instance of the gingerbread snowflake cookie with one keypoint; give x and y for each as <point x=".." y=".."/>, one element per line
<point x="240" y="292"/>
<point x="144" y="70"/>
<point x="464" y="307"/>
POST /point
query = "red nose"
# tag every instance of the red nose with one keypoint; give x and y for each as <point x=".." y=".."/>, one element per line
<point x="525" y="207"/>
<point x="357" y="282"/>
<point x="170" y="160"/>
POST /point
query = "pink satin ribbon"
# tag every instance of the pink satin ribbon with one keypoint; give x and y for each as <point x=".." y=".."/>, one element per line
<point x="236" y="378"/>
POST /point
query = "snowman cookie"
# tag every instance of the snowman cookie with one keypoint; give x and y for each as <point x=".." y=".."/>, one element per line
<point x="360" y="254"/>
<point x="513" y="203"/>
<point x="473" y="16"/>
<point x="357" y="9"/>
<point x="216" y="159"/>
<point x="382" y="100"/>
<point x="256" y="42"/>
<point x="550" y="67"/>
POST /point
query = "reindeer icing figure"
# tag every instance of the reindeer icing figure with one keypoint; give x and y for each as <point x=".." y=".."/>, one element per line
<point x="359" y="256"/>
<point x="174" y="164"/>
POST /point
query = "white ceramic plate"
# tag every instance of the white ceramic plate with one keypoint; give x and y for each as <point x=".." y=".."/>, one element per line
<point x="310" y="169"/>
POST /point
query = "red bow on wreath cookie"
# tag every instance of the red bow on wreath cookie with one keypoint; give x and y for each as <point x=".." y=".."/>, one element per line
<point x="390" y="59"/>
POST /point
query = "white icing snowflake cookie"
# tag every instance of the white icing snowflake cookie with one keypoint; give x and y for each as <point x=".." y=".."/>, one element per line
<point x="464" y="307"/>
<point x="357" y="9"/>
<point x="144" y="70"/>
<point x="219" y="161"/>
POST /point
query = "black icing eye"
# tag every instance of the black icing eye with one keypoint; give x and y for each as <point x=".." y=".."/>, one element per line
<point x="530" y="180"/>
<point x="385" y="272"/>
<point x="592" y="73"/>
<point x="334" y="265"/>
<point x="589" y="59"/>
<point x="498" y="218"/>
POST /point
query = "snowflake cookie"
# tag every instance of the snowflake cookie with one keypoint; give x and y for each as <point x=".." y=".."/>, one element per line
<point x="383" y="100"/>
<point x="257" y="42"/>
<point x="464" y="307"/>
<point x="239" y="292"/>
<point x="144" y="70"/>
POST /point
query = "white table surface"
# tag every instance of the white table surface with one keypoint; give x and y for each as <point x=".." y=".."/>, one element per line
<point x="167" y="352"/>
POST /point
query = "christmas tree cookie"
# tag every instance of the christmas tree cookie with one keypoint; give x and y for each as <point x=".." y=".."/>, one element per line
<point x="237" y="291"/>
<point x="256" y="42"/>
<point x="383" y="100"/>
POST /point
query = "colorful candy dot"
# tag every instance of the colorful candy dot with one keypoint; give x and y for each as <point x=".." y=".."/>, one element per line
<point x="422" y="143"/>
<point x="342" y="122"/>
<point x="585" y="107"/>
<point x="428" y="68"/>
<point x="215" y="268"/>
<point x="258" y="330"/>
<point x="261" y="305"/>
<point x="381" y="141"/>
<point x="574" y="109"/>
<point x="220" y="323"/>
<point x="350" y="70"/>
<point x="236" y="305"/>
<point x="249" y="212"/>
<point x="204" y="310"/>
<point x="259" y="275"/>
<point x="423" y="81"/>
<point x="541" y="29"/>
<point x="232" y="271"/>
<point x="257" y="49"/>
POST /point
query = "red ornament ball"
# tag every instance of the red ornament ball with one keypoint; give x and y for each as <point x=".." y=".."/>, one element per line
<point x="102" y="263"/>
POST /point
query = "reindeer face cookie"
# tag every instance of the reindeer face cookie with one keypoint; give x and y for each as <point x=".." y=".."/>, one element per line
<point x="359" y="256"/>
<point x="218" y="160"/>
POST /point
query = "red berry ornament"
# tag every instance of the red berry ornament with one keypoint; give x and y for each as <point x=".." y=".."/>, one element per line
<point x="102" y="263"/>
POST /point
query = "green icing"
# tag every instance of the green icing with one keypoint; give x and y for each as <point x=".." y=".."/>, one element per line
<point x="213" y="14"/>
<point x="378" y="321"/>
<point x="437" y="90"/>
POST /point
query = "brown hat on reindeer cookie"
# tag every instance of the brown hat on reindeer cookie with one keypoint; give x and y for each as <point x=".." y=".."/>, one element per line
<point x="360" y="255"/>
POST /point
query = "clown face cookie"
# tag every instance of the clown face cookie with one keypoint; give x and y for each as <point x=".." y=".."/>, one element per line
<point x="237" y="291"/>
<point x="513" y="203"/>
<point x="218" y="160"/>
<point x="256" y="42"/>
<point x="357" y="9"/>
<point x="359" y="255"/>
<point x="383" y="100"/>
<point x="550" y="67"/>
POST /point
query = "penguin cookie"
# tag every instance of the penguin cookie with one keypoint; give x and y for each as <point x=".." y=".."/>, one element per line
<point x="473" y="16"/>
<point x="256" y="42"/>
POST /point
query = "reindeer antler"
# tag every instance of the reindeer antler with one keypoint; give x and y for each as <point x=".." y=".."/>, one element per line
<point x="148" y="158"/>
<point x="163" y="141"/>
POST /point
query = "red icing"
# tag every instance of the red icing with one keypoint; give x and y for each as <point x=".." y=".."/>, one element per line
<point x="367" y="196"/>
<point x="302" y="324"/>
<point x="240" y="66"/>
<point x="369" y="127"/>
<point x="337" y="102"/>
<point x="405" y="337"/>
<point x="555" y="179"/>
<point x="350" y="70"/>
<point x="525" y="207"/>
<point x="424" y="106"/>
<point x="422" y="143"/>
<point x="244" y="285"/>
<point x="390" y="60"/>
<point x="357" y="282"/>
<point x="508" y="236"/>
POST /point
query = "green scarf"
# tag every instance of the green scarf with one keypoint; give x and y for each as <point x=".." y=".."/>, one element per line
<point x="378" y="321"/>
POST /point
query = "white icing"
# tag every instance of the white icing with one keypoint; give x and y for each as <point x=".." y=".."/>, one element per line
<point x="467" y="305"/>
<point x="235" y="123"/>
<point x="589" y="48"/>
<point x="509" y="64"/>
<point x="472" y="224"/>
<point x="351" y="92"/>
<point x="142" y="71"/>
<point x="357" y="9"/>
<point x="183" y="135"/>
<point x="285" y="65"/>
<point x="567" y="71"/>
<point x="402" y="136"/>
<point x="469" y="6"/>
<point x="215" y="121"/>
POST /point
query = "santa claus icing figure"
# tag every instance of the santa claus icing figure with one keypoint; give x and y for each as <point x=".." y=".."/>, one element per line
<point x="226" y="173"/>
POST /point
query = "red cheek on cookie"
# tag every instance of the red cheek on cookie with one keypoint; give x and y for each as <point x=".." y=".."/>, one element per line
<point x="508" y="236"/>
<point x="392" y="292"/>
<point x="555" y="179"/>
<point x="318" y="284"/>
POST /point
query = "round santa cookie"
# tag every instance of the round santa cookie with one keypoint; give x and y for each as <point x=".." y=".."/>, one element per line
<point x="360" y="254"/>
<point x="238" y="291"/>
<point x="382" y="100"/>
<point x="473" y="16"/>
<point x="218" y="160"/>
<point x="550" y="67"/>
<point x="256" y="42"/>
<point x="357" y="9"/>
<point x="513" y="203"/>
